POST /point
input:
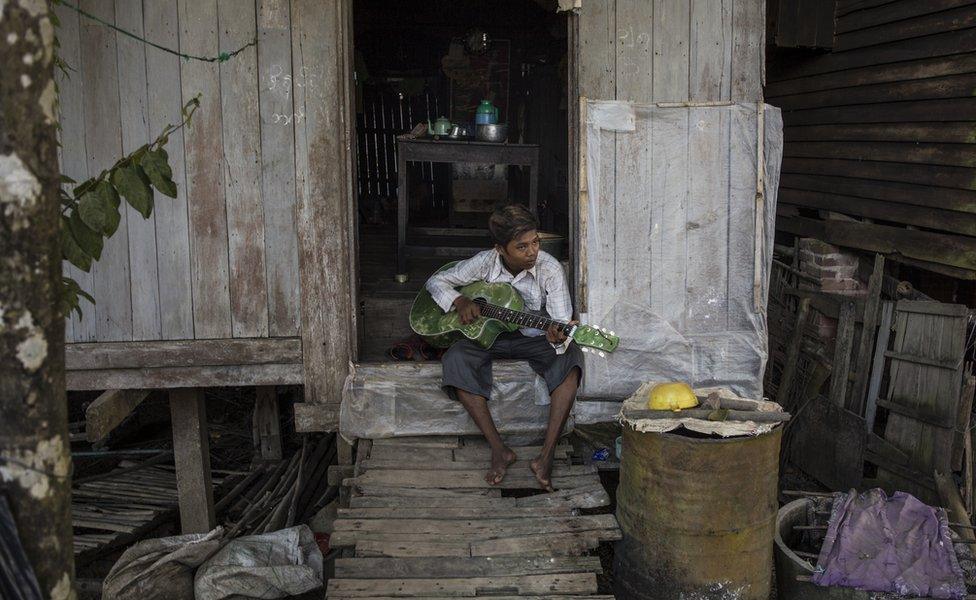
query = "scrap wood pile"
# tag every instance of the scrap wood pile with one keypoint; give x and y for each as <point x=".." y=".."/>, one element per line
<point x="114" y="509"/>
<point x="117" y="508"/>
<point x="877" y="381"/>
<point x="283" y="493"/>
<point x="422" y="521"/>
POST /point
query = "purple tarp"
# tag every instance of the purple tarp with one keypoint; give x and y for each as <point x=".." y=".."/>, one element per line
<point x="895" y="544"/>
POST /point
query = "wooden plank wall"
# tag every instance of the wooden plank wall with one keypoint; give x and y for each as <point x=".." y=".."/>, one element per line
<point x="881" y="129"/>
<point x="671" y="50"/>
<point x="221" y="260"/>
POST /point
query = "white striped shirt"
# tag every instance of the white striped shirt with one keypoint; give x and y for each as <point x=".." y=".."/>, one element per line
<point x="543" y="287"/>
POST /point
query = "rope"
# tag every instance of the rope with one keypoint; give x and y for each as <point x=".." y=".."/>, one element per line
<point x="222" y="57"/>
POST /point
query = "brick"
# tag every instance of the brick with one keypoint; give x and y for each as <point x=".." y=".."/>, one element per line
<point x="840" y="285"/>
<point x="828" y="260"/>
<point x="818" y="247"/>
<point x="840" y="272"/>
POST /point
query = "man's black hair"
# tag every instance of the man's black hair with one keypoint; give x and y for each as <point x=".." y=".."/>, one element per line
<point x="509" y="222"/>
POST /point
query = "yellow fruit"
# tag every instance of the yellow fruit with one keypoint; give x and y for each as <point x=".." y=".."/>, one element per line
<point x="671" y="396"/>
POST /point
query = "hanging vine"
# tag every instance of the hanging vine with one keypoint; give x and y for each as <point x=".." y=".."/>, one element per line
<point x="91" y="212"/>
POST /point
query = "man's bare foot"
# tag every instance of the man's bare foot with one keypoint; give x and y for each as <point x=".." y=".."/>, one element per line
<point x="542" y="467"/>
<point x="499" y="464"/>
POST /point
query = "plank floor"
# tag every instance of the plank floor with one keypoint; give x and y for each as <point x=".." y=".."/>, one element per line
<point x="423" y="523"/>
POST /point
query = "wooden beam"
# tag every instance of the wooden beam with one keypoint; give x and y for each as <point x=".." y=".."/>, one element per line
<point x="840" y="374"/>
<point x="191" y="449"/>
<point x="109" y="410"/>
<point x="952" y="250"/>
<point x="322" y="161"/>
<point x="180" y="377"/>
<point x="792" y="354"/>
<point x="316" y="417"/>
<point x="862" y="363"/>
<point x="184" y="353"/>
<point x="266" y="425"/>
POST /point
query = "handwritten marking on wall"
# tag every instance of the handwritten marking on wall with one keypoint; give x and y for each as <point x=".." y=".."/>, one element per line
<point x="281" y="82"/>
<point x="288" y="119"/>
<point x="628" y="39"/>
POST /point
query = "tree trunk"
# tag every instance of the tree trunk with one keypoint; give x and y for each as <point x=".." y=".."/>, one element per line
<point x="34" y="446"/>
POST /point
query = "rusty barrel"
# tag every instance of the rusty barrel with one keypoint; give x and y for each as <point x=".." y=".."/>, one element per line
<point x="697" y="515"/>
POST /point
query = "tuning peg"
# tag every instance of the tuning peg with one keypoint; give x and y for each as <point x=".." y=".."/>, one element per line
<point x="602" y="354"/>
<point x="612" y="333"/>
<point x="584" y="349"/>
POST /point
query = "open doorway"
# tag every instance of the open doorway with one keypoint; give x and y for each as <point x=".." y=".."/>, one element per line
<point x="435" y="64"/>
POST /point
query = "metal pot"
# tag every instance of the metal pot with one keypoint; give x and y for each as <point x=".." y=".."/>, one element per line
<point x="460" y="132"/>
<point x="497" y="132"/>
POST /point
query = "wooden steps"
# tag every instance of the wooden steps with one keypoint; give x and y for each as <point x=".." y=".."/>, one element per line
<point x="422" y="522"/>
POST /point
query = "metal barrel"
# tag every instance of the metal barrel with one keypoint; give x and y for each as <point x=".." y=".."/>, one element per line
<point x="697" y="516"/>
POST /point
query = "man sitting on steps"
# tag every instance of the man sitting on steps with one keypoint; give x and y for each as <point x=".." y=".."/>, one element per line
<point x="516" y="259"/>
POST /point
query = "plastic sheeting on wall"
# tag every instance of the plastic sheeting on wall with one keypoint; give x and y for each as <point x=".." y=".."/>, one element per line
<point x="396" y="399"/>
<point x="671" y="241"/>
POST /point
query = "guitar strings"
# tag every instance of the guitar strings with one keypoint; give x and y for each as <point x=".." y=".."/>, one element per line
<point x="517" y="317"/>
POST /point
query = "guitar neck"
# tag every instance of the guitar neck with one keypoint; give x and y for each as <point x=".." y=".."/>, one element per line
<point x="519" y="317"/>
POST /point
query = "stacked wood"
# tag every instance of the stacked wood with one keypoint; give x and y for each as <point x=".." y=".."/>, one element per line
<point x="116" y="508"/>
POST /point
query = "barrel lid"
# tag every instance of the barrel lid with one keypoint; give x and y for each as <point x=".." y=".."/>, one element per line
<point x="720" y="412"/>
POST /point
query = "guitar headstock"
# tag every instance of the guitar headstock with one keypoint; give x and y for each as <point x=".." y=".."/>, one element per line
<point x="598" y="340"/>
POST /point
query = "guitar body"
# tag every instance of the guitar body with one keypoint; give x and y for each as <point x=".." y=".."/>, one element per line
<point x="442" y="329"/>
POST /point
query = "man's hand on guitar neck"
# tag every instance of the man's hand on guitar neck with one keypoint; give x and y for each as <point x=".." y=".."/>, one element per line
<point x="466" y="309"/>
<point x="556" y="335"/>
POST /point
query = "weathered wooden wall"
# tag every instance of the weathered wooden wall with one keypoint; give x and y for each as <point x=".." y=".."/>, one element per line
<point x="671" y="50"/>
<point x="257" y="244"/>
<point x="881" y="129"/>
<point x="221" y="260"/>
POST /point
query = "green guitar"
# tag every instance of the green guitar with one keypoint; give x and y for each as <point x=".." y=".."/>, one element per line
<point x="501" y="310"/>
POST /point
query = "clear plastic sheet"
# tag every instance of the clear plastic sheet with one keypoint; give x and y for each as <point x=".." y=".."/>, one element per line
<point x="671" y="242"/>
<point x="398" y="399"/>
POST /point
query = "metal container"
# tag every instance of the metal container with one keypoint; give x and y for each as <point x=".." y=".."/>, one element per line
<point x="553" y="243"/>
<point x="491" y="133"/>
<point x="789" y="566"/>
<point x="697" y="516"/>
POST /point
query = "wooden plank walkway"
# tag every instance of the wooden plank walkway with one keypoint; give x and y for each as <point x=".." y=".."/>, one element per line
<point x="422" y="522"/>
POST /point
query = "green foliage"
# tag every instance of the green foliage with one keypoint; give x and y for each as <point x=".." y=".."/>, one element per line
<point x="92" y="211"/>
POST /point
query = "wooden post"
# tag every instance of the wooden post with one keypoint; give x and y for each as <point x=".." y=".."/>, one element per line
<point x="793" y="354"/>
<point x="840" y="374"/>
<point x="266" y="425"/>
<point x="191" y="448"/>
<point x="862" y="366"/>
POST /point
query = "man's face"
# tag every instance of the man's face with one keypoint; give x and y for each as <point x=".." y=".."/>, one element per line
<point x="521" y="253"/>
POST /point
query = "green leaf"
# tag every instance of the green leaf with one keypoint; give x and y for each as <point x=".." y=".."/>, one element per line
<point x="156" y="166"/>
<point x="66" y="199"/>
<point x="88" y="240"/>
<point x="99" y="209"/>
<point x="66" y="179"/>
<point x="70" y="290"/>
<point x="133" y="184"/>
<point x="72" y="252"/>
<point x="86" y="296"/>
<point x="82" y="189"/>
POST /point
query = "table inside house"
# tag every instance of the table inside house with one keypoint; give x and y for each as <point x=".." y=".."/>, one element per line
<point x="452" y="151"/>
